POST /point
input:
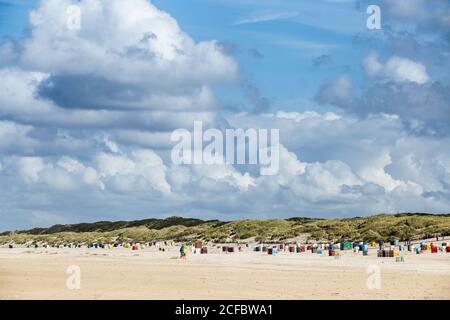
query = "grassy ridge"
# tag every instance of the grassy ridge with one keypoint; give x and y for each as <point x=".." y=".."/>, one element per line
<point x="373" y="228"/>
<point x="104" y="226"/>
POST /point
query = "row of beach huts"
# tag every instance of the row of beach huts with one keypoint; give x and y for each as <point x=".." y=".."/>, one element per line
<point x="385" y="249"/>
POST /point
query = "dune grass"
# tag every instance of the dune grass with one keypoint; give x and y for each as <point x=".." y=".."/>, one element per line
<point x="373" y="228"/>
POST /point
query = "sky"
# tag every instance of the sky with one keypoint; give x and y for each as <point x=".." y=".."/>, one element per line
<point x="86" y="113"/>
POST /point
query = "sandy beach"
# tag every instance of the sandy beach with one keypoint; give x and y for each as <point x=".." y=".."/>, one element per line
<point x="151" y="274"/>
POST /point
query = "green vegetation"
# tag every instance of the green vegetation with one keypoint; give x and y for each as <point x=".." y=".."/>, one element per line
<point x="380" y="227"/>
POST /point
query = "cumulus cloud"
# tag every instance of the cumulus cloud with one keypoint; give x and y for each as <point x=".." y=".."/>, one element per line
<point x="396" y="69"/>
<point x="411" y="80"/>
<point x="126" y="56"/>
<point x="428" y="15"/>
<point x="86" y="116"/>
<point x="400" y="87"/>
<point x="330" y="165"/>
<point x="338" y="91"/>
<point x="126" y="42"/>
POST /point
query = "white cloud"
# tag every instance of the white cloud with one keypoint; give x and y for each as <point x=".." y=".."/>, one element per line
<point x="17" y="93"/>
<point x="338" y="90"/>
<point x="396" y="69"/>
<point x="337" y="167"/>
<point x="126" y="56"/>
<point x="123" y="41"/>
<point x="70" y="154"/>
<point x="299" y="116"/>
<point x="142" y="169"/>
<point x="29" y="167"/>
<point x="267" y="16"/>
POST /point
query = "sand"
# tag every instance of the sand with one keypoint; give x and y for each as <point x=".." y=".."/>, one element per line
<point x="150" y="274"/>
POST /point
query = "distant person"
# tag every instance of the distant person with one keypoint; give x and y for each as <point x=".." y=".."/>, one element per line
<point x="183" y="251"/>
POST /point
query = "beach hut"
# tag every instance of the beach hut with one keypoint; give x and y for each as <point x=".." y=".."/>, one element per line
<point x="387" y="253"/>
<point x="361" y="245"/>
<point x="346" y="245"/>
<point x="204" y="250"/>
<point x="333" y="252"/>
<point x="434" y="248"/>
<point x="365" y="249"/>
<point x="198" y="245"/>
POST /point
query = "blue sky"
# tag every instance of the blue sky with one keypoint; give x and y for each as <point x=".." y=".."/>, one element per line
<point x="14" y="17"/>
<point x="284" y="34"/>
<point x="86" y="114"/>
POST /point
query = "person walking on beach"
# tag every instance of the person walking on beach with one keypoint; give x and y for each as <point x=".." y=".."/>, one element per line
<point x="183" y="251"/>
